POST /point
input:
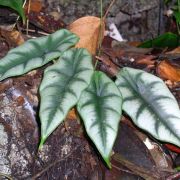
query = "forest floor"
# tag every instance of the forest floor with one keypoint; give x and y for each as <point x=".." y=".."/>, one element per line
<point x="68" y="153"/>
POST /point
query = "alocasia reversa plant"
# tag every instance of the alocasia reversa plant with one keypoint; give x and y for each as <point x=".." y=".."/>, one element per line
<point x="72" y="81"/>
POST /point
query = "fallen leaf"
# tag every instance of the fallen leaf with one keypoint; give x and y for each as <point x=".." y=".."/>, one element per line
<point x="173" y="148"/>
<point x="88" y="29"/>
<point x="146" y="60"/>
<point x="134" y="43"/>
<point x="45" y="21"/>
<point x="129" y="48"/>
<point x="35" y="5"/>
<point x="174" y="51"/>
<point x="12" y="37"/>
<point x="168" y="71"/>
<point x="72" y="114"/>
<point x="37" y="15"/>
<point x="107" y="66"/>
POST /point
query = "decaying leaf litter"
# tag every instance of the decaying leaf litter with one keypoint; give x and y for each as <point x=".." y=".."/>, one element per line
<point x="22" y="89"/>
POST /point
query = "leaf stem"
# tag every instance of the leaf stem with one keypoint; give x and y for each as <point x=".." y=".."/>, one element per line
<point x="101" y="29"/>
<point x="19" y="16"/>
<point x="27" y="20"/>
<point x="108" y="9"/>
<point x="100" y="32"/>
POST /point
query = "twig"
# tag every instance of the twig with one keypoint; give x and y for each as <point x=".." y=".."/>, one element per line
<point x="124" y="170"/>
<point x="108" y="9"/>
<point x="112" y="68"/>
<point x="101" y="29"/>
<point x="35" y="31"/>
<point x="6" y="176"/>
<point x="100" y="38"/>
<point x="174" y="176"/>
<point x="27" y="21"/>
<point x="52" y="164"/>
<point x="144" y="173"/>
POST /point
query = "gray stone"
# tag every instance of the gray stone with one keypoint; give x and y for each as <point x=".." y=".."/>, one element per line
<point x="136" y="20"/>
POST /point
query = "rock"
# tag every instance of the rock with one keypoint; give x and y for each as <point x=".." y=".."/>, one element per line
<point x="136" y="20"/>
<point x="64" y="154"/>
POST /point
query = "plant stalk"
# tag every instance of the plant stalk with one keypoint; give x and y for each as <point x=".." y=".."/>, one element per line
<point x="100" y="32"/>
<point x="102" y="19"/>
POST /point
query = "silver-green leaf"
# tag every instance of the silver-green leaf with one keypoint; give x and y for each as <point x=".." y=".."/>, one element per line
<point x="35" y="53"/>
<point x="150" y="104"/>
<point x="61" y="88"/>
<point x="100" y="108"/>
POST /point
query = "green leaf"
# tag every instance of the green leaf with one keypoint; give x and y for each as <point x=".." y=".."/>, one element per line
<point x="61" y="88"/>
<point x="168" y="39"/>
<point x="100" y="108"/>
<point x="150" y="104"/>
<point x="177" y="16"/>
<point x="35" y="53"/>
<point x="167" y="1"/>
<point x="17" y="5"/>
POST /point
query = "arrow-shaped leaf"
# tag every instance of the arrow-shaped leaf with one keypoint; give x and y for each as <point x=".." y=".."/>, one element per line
<point x="100" y="109"/>
<point x="61" y="88"/>
<point x="150" y="104"/>
<point x="35" y="53"/>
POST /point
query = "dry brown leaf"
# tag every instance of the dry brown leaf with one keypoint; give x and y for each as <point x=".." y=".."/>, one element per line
<point x="134" y="43"/>
<point x="147" y="60"/>
<point x="167" y="71"/>
<point x="72" y="114"/>
<point x="108" y="66"/>
<point x="35" y="6"/>
<point x="88" y="29"/>
<point x="13" y="38"/>
<point x="175" y="51"/>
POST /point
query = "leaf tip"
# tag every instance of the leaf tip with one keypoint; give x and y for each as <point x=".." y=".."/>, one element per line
<point x="107" y="161"/>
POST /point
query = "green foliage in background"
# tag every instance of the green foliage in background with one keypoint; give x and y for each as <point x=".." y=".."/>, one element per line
<point x="166" y="40"/>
